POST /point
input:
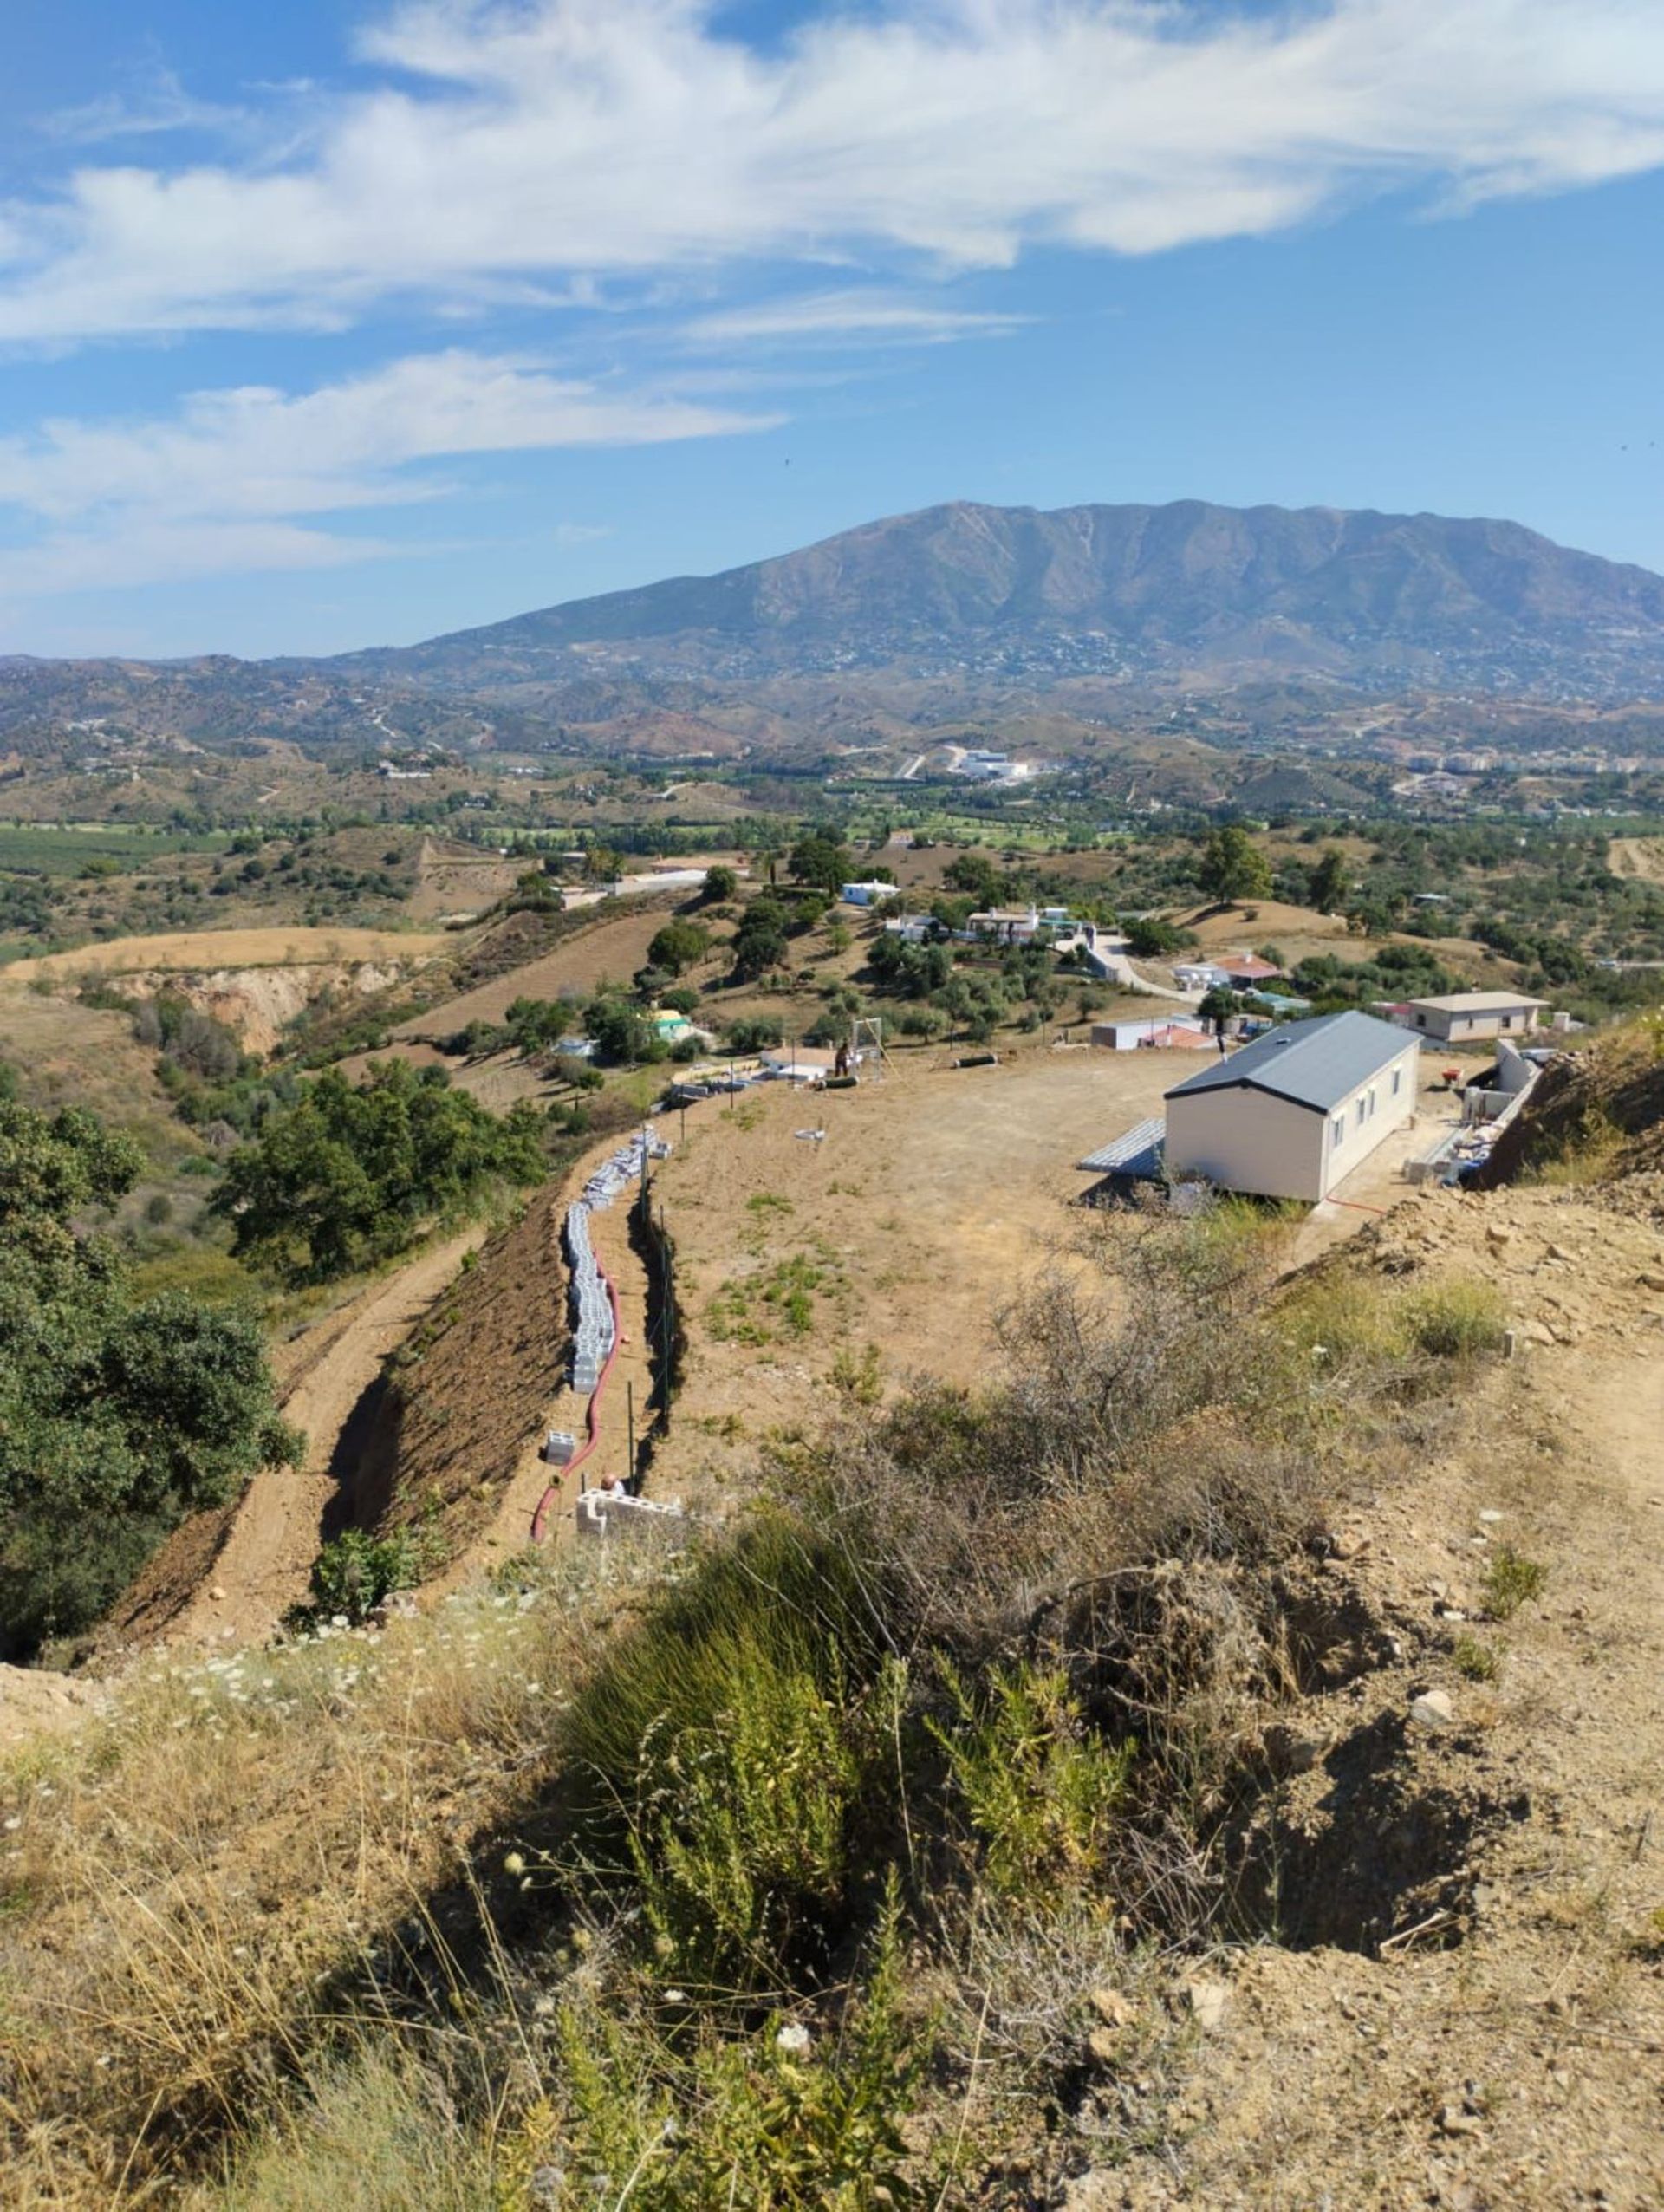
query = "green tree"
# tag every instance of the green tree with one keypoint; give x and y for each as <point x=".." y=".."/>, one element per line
<point x="821" y="861"/>
<point x="1232" y="868"/>
<point x="976" y="875"/>
<point x="117" y="1415"/>
<point x="678" y="946"/>
<point x="623" y="1032"/>
<point x="720" y="883"/>
<point x="1218" y="1005"/>
<point x="760" y="942"/>
<point x="1329" y="881"/>
<point x="347" y="1176"/>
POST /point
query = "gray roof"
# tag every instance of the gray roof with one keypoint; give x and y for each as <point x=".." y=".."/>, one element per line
<point x="1316" y="1063"/>
<point x="1137" y="1151"/>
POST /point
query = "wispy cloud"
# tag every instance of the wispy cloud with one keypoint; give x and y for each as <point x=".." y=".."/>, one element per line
<point x="548" y="139"/>
<point x="156" y="103"/>
<point x="832" y="320"/>
<point x="237" y="479"/>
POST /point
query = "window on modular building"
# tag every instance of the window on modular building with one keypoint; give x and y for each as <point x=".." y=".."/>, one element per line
<point x="1360" y="1113"/>
<point x="1397" y="1077"/>
<point x="1339" y="1128"/>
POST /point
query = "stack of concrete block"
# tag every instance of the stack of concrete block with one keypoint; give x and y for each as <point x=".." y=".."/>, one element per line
<point x="592" y="1309"/>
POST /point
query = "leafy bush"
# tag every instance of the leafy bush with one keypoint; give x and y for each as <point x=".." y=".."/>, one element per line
<point x="1460" y="1319"/>
<point x="118" y="1415"/>
<point x="1510" y="1581"/>
<point x="1038" y="1789"/>
<point x="355" y="1572"/>
<point x="347" y="1176"/>
<point x="754" y="1033"/>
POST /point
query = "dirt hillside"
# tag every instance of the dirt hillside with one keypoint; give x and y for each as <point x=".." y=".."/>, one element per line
<point x="1466" y="2009"/>
<point x="230" y="1575"/>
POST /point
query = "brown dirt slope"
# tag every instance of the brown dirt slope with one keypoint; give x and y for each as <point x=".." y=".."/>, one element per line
<point x="1464" y="2008"/>
<point x="231" y="1574"/>
<point x="1597" y="1114"/>
<point x="434" y="1444"/>
<point x="531" y="955"/>
<point x="228" y="948"/>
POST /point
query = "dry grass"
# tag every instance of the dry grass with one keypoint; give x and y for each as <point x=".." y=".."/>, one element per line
<point x="184" y="1882"/>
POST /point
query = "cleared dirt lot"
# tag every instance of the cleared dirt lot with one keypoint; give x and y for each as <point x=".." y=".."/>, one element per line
<point x="229" y="948"/>
<point x="1638" y="857"/>
<point x="610" y="952"/>
<point x="930" y="1200"/>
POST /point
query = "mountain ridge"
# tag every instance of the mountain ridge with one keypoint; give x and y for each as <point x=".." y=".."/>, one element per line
<point x="1358" y="592"/>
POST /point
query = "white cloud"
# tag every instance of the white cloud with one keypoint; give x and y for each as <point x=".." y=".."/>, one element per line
<point x="156" y="102"/>
<point x="224" y="485"/>
<point x="835" y="319"/>
<point x="553" y="139"/>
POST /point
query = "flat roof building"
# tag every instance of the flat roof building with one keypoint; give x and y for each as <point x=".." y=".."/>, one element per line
<point x="1466" y="1017"/>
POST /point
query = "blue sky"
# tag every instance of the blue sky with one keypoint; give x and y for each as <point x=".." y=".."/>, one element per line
<point x="323" y="326"/>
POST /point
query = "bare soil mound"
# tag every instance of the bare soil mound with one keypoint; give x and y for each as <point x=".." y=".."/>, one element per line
<point x="1596" y="1115"/>
<point x="295" y="945"/>
<point x="435" y="1437"/>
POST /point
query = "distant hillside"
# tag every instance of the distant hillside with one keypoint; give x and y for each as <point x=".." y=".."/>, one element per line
<point x="1126" y="590"/>
<point x="1047" y="629"/>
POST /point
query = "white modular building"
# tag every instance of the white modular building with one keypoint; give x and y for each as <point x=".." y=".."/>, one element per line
<point x="1293" y="1114"/>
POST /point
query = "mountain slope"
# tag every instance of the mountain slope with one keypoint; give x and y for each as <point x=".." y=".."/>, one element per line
<point x="1127" y="588"/>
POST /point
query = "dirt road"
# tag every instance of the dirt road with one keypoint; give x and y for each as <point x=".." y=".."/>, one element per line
<point x="263" y="1567"/>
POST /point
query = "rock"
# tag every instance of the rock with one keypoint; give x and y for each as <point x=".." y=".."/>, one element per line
<point x="1208" y="2002"/>
<point x="1294" y="1750"/>
<point x="1558" y="1252"/>
<point x="1497" y="1234"/>
<point x="1432" y="1709"/>
<point x="1112" y="2008"/>
<point x="1488" y="1515"/>
<point x="1348" y="1543"/>
<point x="1103" y="2046"/>
<point x="1651" y="1279"/>
<point x="1452" y="2120"/>
<point x="218" y="1594"/>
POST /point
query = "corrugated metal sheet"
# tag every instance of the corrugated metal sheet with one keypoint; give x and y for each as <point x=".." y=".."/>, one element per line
<point x="1316" y="1063"/>
<point x="1136" y="1153"/>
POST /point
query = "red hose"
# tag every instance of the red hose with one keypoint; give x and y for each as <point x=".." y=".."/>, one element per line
<point x="551" y="1495"/>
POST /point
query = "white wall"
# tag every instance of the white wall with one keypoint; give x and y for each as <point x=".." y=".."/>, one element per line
<point x="1251" y="1141"/>
<point x="1248" y="1141"/>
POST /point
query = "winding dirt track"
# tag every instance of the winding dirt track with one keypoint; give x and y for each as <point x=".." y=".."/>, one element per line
<point x="263" y="1567"/>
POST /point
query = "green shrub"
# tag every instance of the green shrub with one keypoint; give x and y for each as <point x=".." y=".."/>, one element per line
<point x="1460" y="1319"/>
<point x="722" y="1752"/>
<point x="355" y="1572"/>
<point x="1475" y="1662"/>
<point x="782" y="2116"/>
<point x="1511" y="1581"/>
<point x="1037" y="1787"/>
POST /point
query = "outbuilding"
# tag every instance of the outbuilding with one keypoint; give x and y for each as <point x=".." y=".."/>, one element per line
<point x="1468" y="1016"/>
<point x="1291" y="1115"/>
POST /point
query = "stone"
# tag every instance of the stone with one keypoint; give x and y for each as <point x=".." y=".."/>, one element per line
<point x="1432" y="1709"/>
<point x="1294" y="1750"/>
<point x="1103" y="2046"/>
<point x="217" y="1593"/>
<point x="1452" y="2120"/>
<point x="1651" y="1279"/>
<point x="1208" y="2002"/>
<point x="1488" y="1515"/>
<point x="1558" y="1252"/>
<point x="1348" y="1543"/>
<point x="1497" y="1234"/>
<point x="1112" y="2008"/>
